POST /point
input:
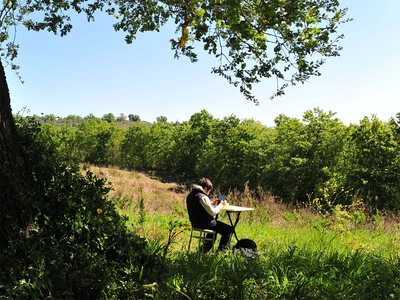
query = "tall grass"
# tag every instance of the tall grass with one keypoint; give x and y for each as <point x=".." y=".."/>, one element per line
<point x="304" y="252"/>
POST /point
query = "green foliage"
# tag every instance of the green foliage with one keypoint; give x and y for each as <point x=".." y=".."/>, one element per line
<point x="162" y="119"/>
<point x="106" y="143"/>
<point x="50" y="117"/>
<point x="73" y="117"/>
<point x="91" y="117"/>
<point x="234" y="153"/>
<point x="68" y="143"/>
<point x="108" y="117"/>
<point x="250" y="40"/>
<point x="294" y="159"/>
<point x="134" y="118"/>
<point x="77" y="245"/>
<point x="161" y="145"/>
<point x="307" y="156"/>
<point x="191" y="141"/>
<point x="376" y="161"/>
<point x="184" y="152"/>
<point x="142" y="211"/>
<point x="134" y="147"/>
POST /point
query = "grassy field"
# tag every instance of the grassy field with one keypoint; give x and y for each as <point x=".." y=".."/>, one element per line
<point x="303" y="253"/>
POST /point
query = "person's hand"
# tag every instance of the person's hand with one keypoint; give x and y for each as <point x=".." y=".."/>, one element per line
<point x="223" y="203"/>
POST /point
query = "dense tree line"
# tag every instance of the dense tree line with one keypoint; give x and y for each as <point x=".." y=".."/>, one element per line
<point x="73" y="119"/>
<point x="294" y="160"/>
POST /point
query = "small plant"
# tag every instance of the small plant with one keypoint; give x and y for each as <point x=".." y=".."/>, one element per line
<point x="338" y="217"/>
<point x="357" y="213"/>
<point x="121" y="202"/>
<point x="142" y="209"/>
<point x="175" y="228"/>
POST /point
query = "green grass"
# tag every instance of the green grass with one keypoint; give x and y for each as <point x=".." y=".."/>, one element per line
<point x="304" y="253"/>
<point x="269" y="235"/>
<point x="298" y="259"/>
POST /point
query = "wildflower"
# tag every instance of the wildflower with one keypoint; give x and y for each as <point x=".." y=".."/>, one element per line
<point x="108" y="219"/>
<point x="101" y="220"/>
<point x="99" y="210"/>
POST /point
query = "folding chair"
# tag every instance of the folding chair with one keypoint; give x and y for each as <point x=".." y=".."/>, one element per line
<point x="201" y="235"/>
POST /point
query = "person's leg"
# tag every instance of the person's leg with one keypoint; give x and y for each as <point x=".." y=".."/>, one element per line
<point x="225" y="231"/>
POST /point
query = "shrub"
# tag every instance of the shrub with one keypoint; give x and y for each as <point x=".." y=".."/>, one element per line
<point x="77" y="246"/>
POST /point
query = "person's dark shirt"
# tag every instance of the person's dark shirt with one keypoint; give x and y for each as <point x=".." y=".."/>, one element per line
<point x="197" y="202"/>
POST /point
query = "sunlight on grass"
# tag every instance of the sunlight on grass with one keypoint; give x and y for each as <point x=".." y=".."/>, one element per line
<point x="324" y="251"/>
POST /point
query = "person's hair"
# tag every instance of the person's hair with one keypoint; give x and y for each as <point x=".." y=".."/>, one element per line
<point x="205" y="182"/>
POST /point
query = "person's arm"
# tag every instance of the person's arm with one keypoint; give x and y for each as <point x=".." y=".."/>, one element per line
<point x="211" y="209"/>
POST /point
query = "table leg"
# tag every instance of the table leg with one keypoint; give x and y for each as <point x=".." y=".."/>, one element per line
<point x="236" y="221"/>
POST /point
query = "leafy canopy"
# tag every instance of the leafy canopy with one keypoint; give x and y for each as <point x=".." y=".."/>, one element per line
<point x="251" y="39"/>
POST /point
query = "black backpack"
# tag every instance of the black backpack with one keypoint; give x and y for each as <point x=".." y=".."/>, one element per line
<point x="246" y="247"/>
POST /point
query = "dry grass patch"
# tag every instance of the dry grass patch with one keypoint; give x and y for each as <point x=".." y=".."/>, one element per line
<point x="129" y="187"/>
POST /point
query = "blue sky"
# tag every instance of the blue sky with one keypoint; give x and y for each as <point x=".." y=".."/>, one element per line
<point x="92" y="70"/>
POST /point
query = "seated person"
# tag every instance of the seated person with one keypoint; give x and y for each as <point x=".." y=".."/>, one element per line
<point x="202" y="214"/>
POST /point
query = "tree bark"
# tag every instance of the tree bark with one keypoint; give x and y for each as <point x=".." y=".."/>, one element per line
<point x="12" y="168"/>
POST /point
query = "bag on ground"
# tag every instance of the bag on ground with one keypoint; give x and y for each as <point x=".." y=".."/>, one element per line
<point x="246" y="247"/>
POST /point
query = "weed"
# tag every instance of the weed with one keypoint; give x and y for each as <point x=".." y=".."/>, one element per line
<point x="142" y="210"/>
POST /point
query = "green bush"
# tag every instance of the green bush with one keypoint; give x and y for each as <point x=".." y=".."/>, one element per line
<point x="77" y="246"/>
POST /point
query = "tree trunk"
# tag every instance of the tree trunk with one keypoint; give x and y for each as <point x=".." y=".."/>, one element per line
<point x="12" y="169"/>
